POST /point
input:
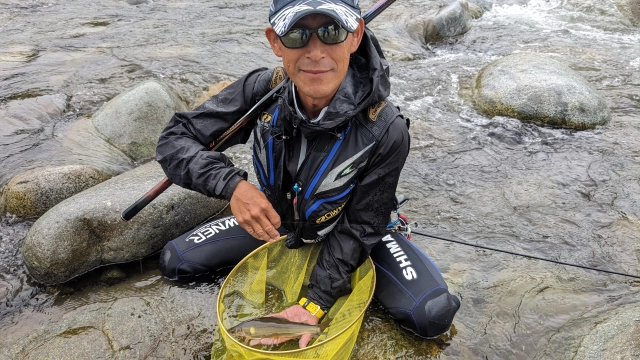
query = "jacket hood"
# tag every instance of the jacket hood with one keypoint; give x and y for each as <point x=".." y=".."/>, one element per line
<point x="366" y="83"/>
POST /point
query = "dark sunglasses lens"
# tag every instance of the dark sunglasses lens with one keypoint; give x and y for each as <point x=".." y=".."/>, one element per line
<point x="328" y="34"/>
<point x="332" y="34"/>
<point x="296" y="38"/>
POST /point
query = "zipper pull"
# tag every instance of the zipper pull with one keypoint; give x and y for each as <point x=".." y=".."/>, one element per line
<point x="297" y="189"/>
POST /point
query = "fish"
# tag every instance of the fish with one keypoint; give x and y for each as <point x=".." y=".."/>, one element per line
<point x="273" y="327"/>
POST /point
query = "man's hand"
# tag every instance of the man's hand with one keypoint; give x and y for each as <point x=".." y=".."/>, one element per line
<point x="296" y="313"/>
<point x="254" y="212"/>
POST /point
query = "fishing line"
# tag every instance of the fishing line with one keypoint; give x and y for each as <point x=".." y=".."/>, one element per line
<point x="507" y="252"/>
<point x="523" y="255"/>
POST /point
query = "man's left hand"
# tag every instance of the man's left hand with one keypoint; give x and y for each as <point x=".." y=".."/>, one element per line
<point x="295" y="313"/>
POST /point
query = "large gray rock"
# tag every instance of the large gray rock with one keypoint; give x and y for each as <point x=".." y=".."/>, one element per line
<point x="133" y="120"/>
<point x="86" y="230"/>
<point x="32" y="193"/>
<point x="452" y="20"/>
<point x="534" y="88"/>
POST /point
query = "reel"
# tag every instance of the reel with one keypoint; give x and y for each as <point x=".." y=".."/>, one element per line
<point x="401" y="223"/>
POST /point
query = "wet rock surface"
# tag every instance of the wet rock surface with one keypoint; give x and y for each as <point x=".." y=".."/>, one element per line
<point x="32" y="193"/>
<point x="86" y="230"/>
<point x="83" y="144"/>
<point x="452" y="20"/>
<point x="133" y="120"/>
<point x="535" y="88"/>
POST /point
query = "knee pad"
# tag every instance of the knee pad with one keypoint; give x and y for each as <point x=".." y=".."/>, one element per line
<point x="212" y="247"/>
<point x="434" y="314"/>
<point x="411" y="289"/>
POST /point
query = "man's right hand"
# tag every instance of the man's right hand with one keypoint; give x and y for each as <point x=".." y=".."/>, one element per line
<point x="254" y="212"/>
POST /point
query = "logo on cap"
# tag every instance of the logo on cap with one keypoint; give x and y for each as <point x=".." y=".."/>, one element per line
<point x="283" y="19"/>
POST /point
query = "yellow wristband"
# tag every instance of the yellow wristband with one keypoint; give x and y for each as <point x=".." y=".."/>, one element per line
<point x="312" y="308"/>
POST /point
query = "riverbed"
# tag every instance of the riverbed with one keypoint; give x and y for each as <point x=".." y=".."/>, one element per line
<point x="566" y="195"/>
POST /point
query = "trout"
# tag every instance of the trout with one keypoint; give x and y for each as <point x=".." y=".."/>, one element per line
<point x="273" y="327"/>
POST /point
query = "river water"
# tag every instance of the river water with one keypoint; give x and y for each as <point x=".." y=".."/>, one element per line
<point x="560" y="194"/>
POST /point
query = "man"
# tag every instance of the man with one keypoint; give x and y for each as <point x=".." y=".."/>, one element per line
<point x="328" y="152"/>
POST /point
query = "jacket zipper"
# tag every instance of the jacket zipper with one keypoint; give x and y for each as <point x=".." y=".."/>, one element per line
<point x="298" y="184"/>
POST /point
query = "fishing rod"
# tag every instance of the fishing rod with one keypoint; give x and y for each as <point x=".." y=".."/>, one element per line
<point x="524" y="255"/>
<point x="164" y="184"/>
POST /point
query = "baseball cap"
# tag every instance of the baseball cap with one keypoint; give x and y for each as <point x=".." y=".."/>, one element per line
<point x="283" y="14"/>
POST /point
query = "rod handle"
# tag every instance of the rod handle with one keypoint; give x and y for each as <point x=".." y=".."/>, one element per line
<point x="135" y="208"/>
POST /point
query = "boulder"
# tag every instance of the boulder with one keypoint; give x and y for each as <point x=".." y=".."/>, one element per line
<point x="86" y="231"/>
<point x="452" y="20"/>
<point x="534" y="88"/>
<point x="133" y="120"/>
<point x="31" y="193"/>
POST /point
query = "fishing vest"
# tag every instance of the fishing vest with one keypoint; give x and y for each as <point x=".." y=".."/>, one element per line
<point x="333" y="163"/>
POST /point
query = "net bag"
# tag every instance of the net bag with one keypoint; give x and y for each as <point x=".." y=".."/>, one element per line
<point x="273" y="278"/>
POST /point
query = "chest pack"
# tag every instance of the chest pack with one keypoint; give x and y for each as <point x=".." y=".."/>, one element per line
<point x="332" y="166"/>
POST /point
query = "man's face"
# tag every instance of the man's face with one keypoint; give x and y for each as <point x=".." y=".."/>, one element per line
<point x="316" y="69"/>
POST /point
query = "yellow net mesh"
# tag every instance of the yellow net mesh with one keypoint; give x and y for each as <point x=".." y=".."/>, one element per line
<point x="271" y="279"/>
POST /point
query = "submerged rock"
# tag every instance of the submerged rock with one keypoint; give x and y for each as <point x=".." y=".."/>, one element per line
<point x="27" y="125"/>
<point x="28" y="115"/>
<point x="32" y="193"/>
<point x="133" y="120"/>
<point x="86" y="231"/>
<point x="534" y="88"/>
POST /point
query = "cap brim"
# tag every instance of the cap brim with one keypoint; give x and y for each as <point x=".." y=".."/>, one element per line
<point x="346" y="16"/>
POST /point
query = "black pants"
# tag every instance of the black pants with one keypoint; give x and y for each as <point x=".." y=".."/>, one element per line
<point x="409" y="286"/>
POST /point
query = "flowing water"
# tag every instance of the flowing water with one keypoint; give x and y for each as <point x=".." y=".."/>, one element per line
<point x="572" y="196"/>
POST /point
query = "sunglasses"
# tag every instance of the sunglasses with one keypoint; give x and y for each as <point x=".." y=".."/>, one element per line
<point x="328" y="34"/>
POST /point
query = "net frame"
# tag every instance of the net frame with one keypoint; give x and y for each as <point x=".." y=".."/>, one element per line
<point x="318" y="347"/>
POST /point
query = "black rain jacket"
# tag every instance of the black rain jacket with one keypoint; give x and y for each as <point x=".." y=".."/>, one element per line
<point x="182" y="153"/>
